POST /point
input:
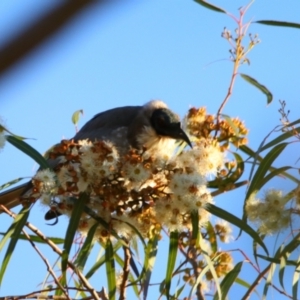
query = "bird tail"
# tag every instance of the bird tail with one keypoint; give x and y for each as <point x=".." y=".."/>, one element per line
<point x="12" y="197"/>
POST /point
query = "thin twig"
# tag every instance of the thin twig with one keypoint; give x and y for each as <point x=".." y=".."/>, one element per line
<point x="38" y="294"/>
<point x="191" y="257"/>
<point x="126" y="271"/>
<point x="256" y="268"/>
<point x="84" y="281"/>
<point x="239" y="55"/>
<point x="49" y="269"/>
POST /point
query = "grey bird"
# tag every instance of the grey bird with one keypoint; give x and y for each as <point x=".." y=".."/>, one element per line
<point x="153" y="126"/>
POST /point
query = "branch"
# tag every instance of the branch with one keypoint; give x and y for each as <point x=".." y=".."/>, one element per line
<point x="126" y="270"/>
<point x="84" y="281"/>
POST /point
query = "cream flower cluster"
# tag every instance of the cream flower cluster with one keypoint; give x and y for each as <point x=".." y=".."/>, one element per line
<point x="270" y="213"/>
<point x="136" y="190"/>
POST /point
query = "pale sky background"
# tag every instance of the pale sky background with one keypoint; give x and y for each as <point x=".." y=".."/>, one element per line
<point x="128" y="53"/>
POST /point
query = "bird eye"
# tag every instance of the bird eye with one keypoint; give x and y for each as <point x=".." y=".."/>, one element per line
<point x="161" y="122"/>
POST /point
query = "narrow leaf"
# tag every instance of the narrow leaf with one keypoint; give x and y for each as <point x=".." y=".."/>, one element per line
<point x="8" y="184"/>
<point x="269" y="280"/>
<point x="86" y="248"/>
<point x="195" y="224"/>
<point x="110" y="270"/>
<point x="253" y="154"/>
<point x="228" y="280"/>
<point x="102" y="222"/>
<point x="217" y="211"/>
<point x="2" y="128"/>
<point x="261" y="87"/>
<point x="263" y="168"/>
<point x="30" y="151"/>
<point x="290" y="247"/>
<point x="98" y="264"/>
<point x="272" y="174"/>
<point x="279" y="23"/>
<point x="13" y="232"/>
<point x="179" y="291"/>
<point x="277" y="260"/>
<point x="78" y="208"/>
<point x="37" y="239"/>
<point x="281" y="138"/>
<point x="80" y="293"/>
<point x="210" y="6"/>
<point x="212" y="237"/>
<point x="232" y="177"/>
<point x="173" y="249"/>
<point x="209" y="267"/>
<point x="150" y="257"/>
<point x="296" y="280"/>
<point x="282" y="267"/>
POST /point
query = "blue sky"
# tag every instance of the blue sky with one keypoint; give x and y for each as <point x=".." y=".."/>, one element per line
<point x="128" y="53"/>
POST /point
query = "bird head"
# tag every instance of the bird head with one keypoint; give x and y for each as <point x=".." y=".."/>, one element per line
<point x="166" y="123"/>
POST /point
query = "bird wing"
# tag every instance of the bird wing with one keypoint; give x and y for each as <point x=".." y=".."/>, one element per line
<point x="11" y="197"/>
<point x="111" y="125"/>
<point x="103" y="124"/>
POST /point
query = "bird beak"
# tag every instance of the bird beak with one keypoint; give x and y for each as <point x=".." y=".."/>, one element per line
<point x="183" y="136"/>
<point x="179" y="134"/>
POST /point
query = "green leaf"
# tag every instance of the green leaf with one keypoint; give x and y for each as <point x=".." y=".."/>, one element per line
<point x="231" y="123"/>
<point x="245" y="284"/>
<point x="78" y="208"/>
<point x="102" y="222"/>
<point x="8" y="184"/>
<point x="283" y="263"/>
<point x="263" y="168"/>
<point x="2" y="128"/>
<point x="101" y="261"/>
<point x="13" y="232"/>
<point x="27" y="149"/>
<point x="223" y="214"/>
<point x="209" y="267"/>
<point x="279" y="23"/>
<point x="110" y="270"/>
<point x="173" y="249"/>
<point x="291" y="124"/>
<point x="296" y="280"/>
<point x="278" y="260"/>
<point x="150" y="257"/>
<point x="210" y="6"/>
<point x="37" y="239"/>
<point x="195" y="224"/>
<point x="228" y="280"/>
<point x="281" y="138"/>
<point x="290" y="247"/>
<point x="257" y="157"/>
<point x="212" y="237"/>
<point x="272" y="174"/>
<point x="179" y="291"/>
<point x="232" y="177"/>
<point x="269" y="280"/>
<point x="86" y="248"/>
<point x="76" y="115"/>
<point x="261" y="87"/>
<point x="80" y="294"/>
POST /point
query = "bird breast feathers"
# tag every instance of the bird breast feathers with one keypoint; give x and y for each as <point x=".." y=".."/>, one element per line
<point x="156" y="144"/>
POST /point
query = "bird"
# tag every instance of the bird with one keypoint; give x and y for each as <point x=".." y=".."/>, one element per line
<point x="152" y="126"/>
